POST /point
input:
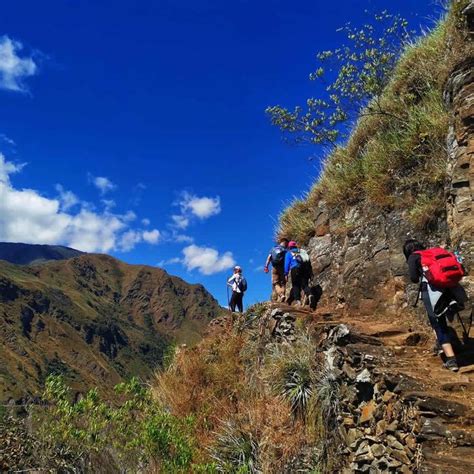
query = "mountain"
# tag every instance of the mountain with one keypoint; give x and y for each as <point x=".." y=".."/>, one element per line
<point x="27" y="254"/>
<point x="94" y="319"/>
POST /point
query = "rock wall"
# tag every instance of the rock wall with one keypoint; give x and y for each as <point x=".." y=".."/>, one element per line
<point x="359" y="262"/>
<point x="459" y="98"/>
<point x="358" y="256"/>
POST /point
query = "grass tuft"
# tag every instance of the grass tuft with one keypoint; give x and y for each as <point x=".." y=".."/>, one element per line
<point x="296" y="222"/>
<point x="235" y="450"/>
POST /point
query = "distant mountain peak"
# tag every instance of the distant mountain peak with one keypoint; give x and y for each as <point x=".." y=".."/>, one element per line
<point x="28" y="254"/>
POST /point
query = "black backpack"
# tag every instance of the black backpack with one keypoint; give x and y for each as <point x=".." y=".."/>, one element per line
<point x="243" y="285"/>
<point x="278" y="255"/>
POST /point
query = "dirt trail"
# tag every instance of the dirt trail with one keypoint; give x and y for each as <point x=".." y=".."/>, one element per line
<point x="445" y="399"/>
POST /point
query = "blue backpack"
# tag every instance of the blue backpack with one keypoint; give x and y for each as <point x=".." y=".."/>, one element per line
<point x="278" y="255"/>
<point x="297" y="257"/>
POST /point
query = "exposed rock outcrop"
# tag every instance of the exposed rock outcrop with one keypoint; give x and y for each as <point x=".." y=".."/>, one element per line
<point x="390" y="416"/>
<point x="357" y="256"/>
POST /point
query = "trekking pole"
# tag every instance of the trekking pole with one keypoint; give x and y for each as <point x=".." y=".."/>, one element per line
<point x="466" y="333"/>
<point x="462" y="325"/>
<point x="417" y="296"/>
<point x="228" y="298"/>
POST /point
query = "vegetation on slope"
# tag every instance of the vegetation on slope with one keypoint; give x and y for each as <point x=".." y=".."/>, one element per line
<point x="126" y="432"/>
<point x="92" y="319"/>
<point x="239" y="402"/>
<point x="396" y="158"/>
<point x="258" y="405"/>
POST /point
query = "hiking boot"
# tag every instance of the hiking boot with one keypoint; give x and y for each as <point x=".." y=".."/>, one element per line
<point x="451" y="364"/>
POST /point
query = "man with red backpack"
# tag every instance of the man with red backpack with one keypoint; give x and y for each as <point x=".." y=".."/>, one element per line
<point x="439" y="273"/>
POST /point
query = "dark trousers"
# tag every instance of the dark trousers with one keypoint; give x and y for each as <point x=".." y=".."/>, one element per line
<point x="439" y="324"/>
<point x="299" y="281"/>
<point x="237" y="300"/>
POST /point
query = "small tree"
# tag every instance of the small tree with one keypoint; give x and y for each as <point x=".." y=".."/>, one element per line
<point x="354" y="77"/>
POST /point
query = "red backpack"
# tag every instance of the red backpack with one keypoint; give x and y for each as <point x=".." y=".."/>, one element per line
<point x="440" y="267"/>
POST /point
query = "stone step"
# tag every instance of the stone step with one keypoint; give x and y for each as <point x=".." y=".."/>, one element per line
<point x="442" y="407"/>
<point x="441" y="460"/>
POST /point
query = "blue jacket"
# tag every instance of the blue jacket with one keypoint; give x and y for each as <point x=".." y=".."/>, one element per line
<point x="290" y="261"/>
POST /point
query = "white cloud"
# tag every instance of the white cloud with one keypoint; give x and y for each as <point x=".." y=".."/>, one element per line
<point x="170" y="261"/>
<point x="152" y="236"/>
<point x="206" y="260"/>
<point x="103" y="184"/>
<point x="27" y="216"/>
<point x="7" y="168"/>
<point x="201" y="207"/>
<point x="67" y="198"/>
<point x="129" y="216"/>
<point x="14" y="69"/>
<point x="146" y="222"/>
<point x="108" y="203"/>
<point x="132" y="237"/>
<point x="7" y="140"/>
<point x="182" y="238"/>
<point x="193" y="207"/>
<point x="93" y="232"/>
<point x="179" y="221"/>
<point x="137" y="194"/>
<point x="175" y="237"/>
<point x="129" y="239"/>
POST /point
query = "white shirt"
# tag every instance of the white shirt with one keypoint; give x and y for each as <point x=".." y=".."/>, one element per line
<point x="234" y="282"/>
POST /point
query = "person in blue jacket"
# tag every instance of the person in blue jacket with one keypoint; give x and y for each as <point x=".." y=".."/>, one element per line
<point x="298" y="266"/>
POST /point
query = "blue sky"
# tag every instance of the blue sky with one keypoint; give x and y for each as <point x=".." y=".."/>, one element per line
<point x="137" y="128"/>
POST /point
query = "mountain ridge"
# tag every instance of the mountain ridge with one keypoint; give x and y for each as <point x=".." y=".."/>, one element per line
<point x="27" y="254"/>
<point x="94" y="319"/>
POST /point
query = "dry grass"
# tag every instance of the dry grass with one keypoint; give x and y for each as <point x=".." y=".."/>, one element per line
<point x="395" y="159"/>
<point x="296" y="222"/>
<point x="236" y="414"/>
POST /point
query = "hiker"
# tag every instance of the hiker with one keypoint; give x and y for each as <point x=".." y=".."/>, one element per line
<point x="276" y="258"/>
<point x="298" y="266"/>
<point x="239" y="286"/>
<point x="439" y="274"/>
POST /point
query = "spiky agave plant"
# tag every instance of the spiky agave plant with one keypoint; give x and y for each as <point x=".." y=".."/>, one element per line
<point x="235" y="450"/>
<point x="290" y="373"/>
<point x="328" y="396"/>
<point x="324" y="412"/>
<point x="297" y="387"/>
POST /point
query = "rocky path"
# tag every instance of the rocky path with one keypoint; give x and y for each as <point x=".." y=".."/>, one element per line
<point x="401" y="355"/>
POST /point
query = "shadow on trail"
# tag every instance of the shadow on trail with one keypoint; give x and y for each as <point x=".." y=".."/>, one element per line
<point x="463" y="346"/>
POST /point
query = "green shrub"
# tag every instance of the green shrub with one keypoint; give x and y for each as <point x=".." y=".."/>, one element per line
<point x="133" y="427"/>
